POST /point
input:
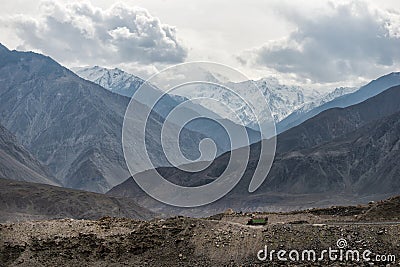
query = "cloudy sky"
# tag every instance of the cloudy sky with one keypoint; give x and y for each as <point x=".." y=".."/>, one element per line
<point x="319" y="43"/>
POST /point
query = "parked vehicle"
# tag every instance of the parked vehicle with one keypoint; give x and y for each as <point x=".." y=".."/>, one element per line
<point x="258" y="221"/>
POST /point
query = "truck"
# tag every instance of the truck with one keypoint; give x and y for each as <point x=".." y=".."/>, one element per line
<point x="258" y="221"/>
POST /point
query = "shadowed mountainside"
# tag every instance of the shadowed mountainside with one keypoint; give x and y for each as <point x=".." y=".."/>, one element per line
<point x="18" y="164"/>
<point x="22" y="201"/>
<point x="367" y="91"/>
<point x="358" y="165"/>
<point x="339" y="121"/>
<point x="71" y="125"/>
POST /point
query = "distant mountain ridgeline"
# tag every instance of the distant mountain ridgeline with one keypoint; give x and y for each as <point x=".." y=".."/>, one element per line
<point x="59" y="129"/>
<point x="71" y="125"/>
<point x="340" y="156"/>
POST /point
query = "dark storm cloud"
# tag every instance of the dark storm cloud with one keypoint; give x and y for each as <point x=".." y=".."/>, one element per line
<point x="350" y="40"/>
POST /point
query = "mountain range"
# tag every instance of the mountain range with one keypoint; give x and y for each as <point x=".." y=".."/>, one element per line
<point x="60" y="129"/>
<point x="283" y="100"/>
<point x="71" y="125"/>
<point x="281" y="97"/>
<point x="367" y="91"/>
<point x="343" y="155"/>
<point x="126" y="84"/>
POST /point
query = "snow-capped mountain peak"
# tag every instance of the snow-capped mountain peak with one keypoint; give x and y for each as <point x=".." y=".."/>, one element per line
<point x="115" y="80"/>
<point x="283" y="100"/>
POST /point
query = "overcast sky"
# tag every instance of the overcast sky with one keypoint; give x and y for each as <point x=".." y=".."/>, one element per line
<point x="320" y="43"/>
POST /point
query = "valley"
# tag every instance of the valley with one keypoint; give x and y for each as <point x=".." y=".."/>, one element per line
<point x="67" y="197"/>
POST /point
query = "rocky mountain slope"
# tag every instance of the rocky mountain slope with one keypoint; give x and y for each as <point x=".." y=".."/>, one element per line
<point x="282" y="99"/>
<point x="72" y="125"/>
<point x="361" y="162"/>
<point x="356" y="162"/>
<point x="22" y="201"/>
<point x="126" y="84"/>
<point x="17" y="163"/>
<point x="382" y="210"/>
<point x="279" y="98"/>
<point x="306" y="107"/>
<point x="371" y="89"/>
<point x="339" y="121"/>
<point x="123" y="83"/>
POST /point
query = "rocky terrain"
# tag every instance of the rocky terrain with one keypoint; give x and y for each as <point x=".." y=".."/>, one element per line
<point x="23" y="201"/>
<point x="220" y="240"/>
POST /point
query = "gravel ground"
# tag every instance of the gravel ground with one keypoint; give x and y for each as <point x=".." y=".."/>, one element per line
<point x="181" y="241"/>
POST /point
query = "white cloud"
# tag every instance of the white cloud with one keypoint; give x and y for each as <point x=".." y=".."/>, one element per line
<point x="342" y="42"/>
<point x="80" y="33"/>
